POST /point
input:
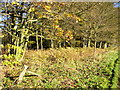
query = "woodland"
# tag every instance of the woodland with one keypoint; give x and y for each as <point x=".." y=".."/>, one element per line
<point x="63" y="44"/>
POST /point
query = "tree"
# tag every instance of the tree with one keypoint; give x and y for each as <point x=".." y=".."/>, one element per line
<point x="19" y="31"/>
<point x="101" y="22"/>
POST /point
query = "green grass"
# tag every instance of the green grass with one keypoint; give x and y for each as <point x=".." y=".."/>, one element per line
<point x="60" y="68"/>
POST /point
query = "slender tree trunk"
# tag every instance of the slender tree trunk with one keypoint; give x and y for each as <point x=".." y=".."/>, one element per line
<point x="25" y="47"/>
<point x="84" y="43"/>
<point x="18" y="49"/>
<point x="100" y="44"/>
<point x="64" y="44"/>
<point x="105" y="45"/>
<point x="89" y="42"/>
<point x="37" y="42"/>
<point x="41" y="42"/>
<point x="52" y="44"/>
<point x="95" y="39"/>
<point x="95" y="44"/>
<point x="22" y="40"/>
<point x="0" y="41"/>
<point x="59" y="44"/>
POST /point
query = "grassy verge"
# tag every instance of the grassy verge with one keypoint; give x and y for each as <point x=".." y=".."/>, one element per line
<point x="65" y="68"/>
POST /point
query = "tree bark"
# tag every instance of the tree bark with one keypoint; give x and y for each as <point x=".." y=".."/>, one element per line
<point x="64" y="44"/>
<point x="41" y="42"/>
<point x="52" y="44"/>
<point x="105" y="45"/>
<point x="100" y="45"/>
<point x="84" y="43"/>
<point x="59" y="44"/>
<point x="89" y="42"/>
<point x="37" y="42"/>
<point x="95" y="44"/>
<point x="25" y="47"/>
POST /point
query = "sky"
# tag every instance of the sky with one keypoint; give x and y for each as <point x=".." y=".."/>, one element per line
<point x="117" y="4"/>
<point x="0" y="21"/>
<point x="0" y="18"/>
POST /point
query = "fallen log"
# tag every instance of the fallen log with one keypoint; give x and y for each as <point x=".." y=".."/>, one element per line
<point x="33" y="73"/>
<point x="22" y="74"/>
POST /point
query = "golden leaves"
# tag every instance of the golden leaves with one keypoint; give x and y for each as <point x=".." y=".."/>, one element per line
<point x="15" y="3"/>
<point x="60" y="32"/>
<point x="68" y="35"/>
<point x="68" y="15"/>
<point x="56" y="21"/>
<point x="47" y="8"/>
<point x="39" y="14"/>
<point x="62" y="3"/>
<point x="56" y="26"/>
<point x="79" y="19"/>
<point x="31" y="9"/>
<point x="72" y="16"/>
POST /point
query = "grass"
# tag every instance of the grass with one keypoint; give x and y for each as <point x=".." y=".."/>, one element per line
<point x="65" y="68"/>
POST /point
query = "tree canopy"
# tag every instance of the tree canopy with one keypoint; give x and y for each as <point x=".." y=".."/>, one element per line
<point x="39" y="25"/>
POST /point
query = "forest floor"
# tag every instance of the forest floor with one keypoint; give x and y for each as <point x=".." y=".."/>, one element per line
<point x="1" y="75"/>
<point x="64" y="68"/>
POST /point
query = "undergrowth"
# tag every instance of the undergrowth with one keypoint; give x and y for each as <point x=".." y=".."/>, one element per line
<point x="65" y="68"/>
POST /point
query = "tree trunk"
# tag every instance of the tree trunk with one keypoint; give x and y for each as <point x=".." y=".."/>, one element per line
<point x="84" y="44"/>
<point x="41" y="42"/>
<point x="0" y="41"/>
<point x="52" y="44"/>
<point x="90" y="35"/>
<point x="25" y="47"/>
<point x="89" y="43"/>
<point x="95" y="40"/>
<point x="37" y="42"/>
<point x="64" y="43"/>
<point x="100" y="45"/>
<point x="95" y="44"/>
<point x="59" y="44"/>
<point x="105" y="45"/>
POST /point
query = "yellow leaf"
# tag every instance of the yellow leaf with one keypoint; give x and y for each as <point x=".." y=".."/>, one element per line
<point x="56" y="26"/>
<point x="47" y="8"/>
<point x="79" y="19"/>
<point x="1" y="45"/>
<point x="40" y="15"/>
<point x="31" y="9"/>
<point x="69" y="15"/>
<point x="14" y="3"/>
<point x="1" y="36"/>
<point x="56" y="21"/>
